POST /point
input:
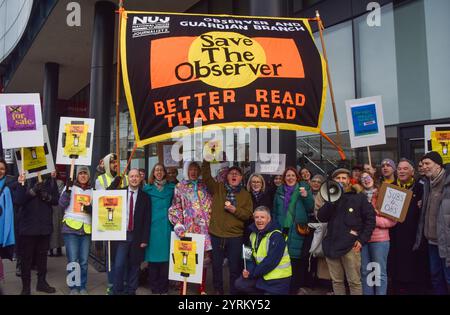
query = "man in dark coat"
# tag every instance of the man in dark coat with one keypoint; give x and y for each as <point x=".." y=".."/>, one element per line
<point x="351" y="221"/>
<point x="408" y="268"/>
<point x="35" y="226"/>
<point x="129" y="254"/>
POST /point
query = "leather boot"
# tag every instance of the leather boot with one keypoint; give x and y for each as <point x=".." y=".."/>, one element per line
<point x="43" y="286"/>
<point x="26" y="287"/>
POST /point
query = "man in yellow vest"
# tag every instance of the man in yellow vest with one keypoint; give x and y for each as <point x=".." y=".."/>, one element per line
<point x="269" y="269"/>
<point x="110" y="178"/>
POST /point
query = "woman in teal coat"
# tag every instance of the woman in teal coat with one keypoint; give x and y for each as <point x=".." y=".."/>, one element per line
<point x="292" y="203"/>
<point x="157" y="253"/>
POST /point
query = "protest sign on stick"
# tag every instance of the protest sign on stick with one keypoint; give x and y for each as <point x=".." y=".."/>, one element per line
<point x="393" y="202"/>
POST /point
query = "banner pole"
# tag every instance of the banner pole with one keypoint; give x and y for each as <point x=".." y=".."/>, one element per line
<point x="368" y="154"/>
<point x="109" y="256"/>
<point x="23" y="163"/>
<point x="330" y="85"/>
<point x="121" y="9"/>
<point x="129" y="160"/>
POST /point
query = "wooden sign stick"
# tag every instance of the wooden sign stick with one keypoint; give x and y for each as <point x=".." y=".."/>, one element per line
<point x="23" y="163"/>
<point x="184" y="286"/>
<point x="368" y="154"/>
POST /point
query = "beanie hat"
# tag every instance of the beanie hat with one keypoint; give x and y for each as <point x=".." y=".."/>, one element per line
<point x="82" y="168"/>
<point x="390" y="163"/>
<point x="434" y="156"/>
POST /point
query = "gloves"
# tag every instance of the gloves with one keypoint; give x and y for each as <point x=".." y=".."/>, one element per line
<point x="36" y="189"/>
<point x="45" y="196"/>
<point x="69" y="185"/>
<point x="179" y="230"/>
<point x="87" y="209"/>
<point x="116" y="182"/>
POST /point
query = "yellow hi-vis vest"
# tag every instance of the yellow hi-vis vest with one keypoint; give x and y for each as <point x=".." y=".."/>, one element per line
<point x="283" y="270"/>
<point x="106" y="180"/>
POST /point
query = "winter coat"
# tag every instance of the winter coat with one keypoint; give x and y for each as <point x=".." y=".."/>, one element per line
<point x="36" y="201"/>
<point x="406" y="265"/>
<point x="277" y="245"/>
<point x="297" y="212"/>
<point x="159" y="237"/>
<point x="224" y="223"/>
<point x="443" y="218"/>
<point x="350" y="219"/>
<point x="191" y="210"/>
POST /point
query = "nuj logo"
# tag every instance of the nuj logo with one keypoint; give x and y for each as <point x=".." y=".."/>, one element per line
<point x="150" y="20"/>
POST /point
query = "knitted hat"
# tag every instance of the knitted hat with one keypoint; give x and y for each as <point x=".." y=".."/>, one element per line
<point x="83" y="168"/>
<point x="434" y="156"/>
<point x="390" y="163"/>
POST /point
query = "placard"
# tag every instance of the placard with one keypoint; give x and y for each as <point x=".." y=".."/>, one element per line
<point x="75" y="140"/>
<point x="428" y="129"/>
<point x="365" y="122"/>
<point x="21" y="120"/>
<point x="186" y="257"/>
<point x="393" y="202"/>
<point x="37" y="159"/>
<point x="109" y="215"/>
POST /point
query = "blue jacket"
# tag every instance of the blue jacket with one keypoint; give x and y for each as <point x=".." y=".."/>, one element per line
<point x="159" y="239"/>
<point x="6" y="219"/>
<point x="277" y="244"/>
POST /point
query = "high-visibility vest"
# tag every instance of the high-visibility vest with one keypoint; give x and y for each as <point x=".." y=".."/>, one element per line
<point x="106" y="180"/>
<point x="283" y="270"/>
<point x="76" y="220"/>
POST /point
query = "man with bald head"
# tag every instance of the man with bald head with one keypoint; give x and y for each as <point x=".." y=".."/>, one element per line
<point x="129" y="254"/>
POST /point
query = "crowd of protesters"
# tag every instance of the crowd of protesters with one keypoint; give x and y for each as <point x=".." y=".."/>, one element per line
<point x="362" y="251"/>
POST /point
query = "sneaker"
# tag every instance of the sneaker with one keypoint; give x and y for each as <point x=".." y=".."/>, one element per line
<point x="74" y="292"/>
<point x="84" y="292"/>
<point x="109" y="291"/>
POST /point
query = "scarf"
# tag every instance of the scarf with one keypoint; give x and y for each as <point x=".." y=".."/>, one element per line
<point x="288" y="190"/>
<point x="257" y="195"/>
<point x="231" y="191"/>
<point x="159" y="184"/>
<point x="194" y="183"/>
<point x="406" y="185"/>
<point x="369" y="193"/>
<point x="2" y="182"/>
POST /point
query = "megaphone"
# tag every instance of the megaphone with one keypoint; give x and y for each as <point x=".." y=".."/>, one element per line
<point x="331" y="191"/>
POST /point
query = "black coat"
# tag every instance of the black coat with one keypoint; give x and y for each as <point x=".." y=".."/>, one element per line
<point x="266" y="199"/>
<point x="141" y="230"/>
<point x="350" y="213"/>
<point x="404" y="264"/>
<point x="36" y="212"/>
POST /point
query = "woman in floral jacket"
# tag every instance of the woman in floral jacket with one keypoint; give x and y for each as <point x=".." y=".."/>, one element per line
<point x="190" y="211"/>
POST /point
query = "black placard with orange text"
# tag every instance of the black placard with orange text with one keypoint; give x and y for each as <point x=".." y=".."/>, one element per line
<point x="225" y="70"/>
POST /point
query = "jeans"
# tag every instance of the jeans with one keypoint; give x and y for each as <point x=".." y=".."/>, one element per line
<point x="77" y="250"/>
<point x="375" y="252"/>
<point x="230" y="247"/>
<point x="440" y="274"/>
<point x="124" y="270"/>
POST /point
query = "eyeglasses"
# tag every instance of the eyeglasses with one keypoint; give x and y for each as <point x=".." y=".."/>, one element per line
<point x="366" y="178"/>
<point x="316" y="181"/>
<point x="235" y="174"/>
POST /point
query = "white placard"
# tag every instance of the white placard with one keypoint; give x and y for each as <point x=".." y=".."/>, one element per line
<point x="175" y="258"/>
<point x="427" y="132"/>
<point x="61" y="157"/>
<point x="365" y="122"/>
<point x="275" y="166"/>
<point x="109" y="221"/>
<point x="393" y="202"/>
<point x="21" y="120"/>
<point x="50" y="167"/>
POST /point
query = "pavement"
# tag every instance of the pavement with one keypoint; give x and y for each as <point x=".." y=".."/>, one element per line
<point x="96" y="284"/>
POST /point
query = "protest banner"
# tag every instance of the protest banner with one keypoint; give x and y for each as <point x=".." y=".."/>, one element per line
<point x="186" y="258"/>
<point x="37" y="160"/>
<point x="109" y="215"/>
<point x="250" y="71"/>
<point x="21" y="120"/>
<point x="393" y="202"/>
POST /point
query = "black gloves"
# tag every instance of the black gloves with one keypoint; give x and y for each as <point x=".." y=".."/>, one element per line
<point x="115" y="183"/>
<point x="37" y="188"/>
<point x="69" y="184"/>
<point x="45" y="196"/>
<point x="87" y="209"/>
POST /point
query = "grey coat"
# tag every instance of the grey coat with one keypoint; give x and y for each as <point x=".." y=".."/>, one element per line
<point x="443" y="220"/>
